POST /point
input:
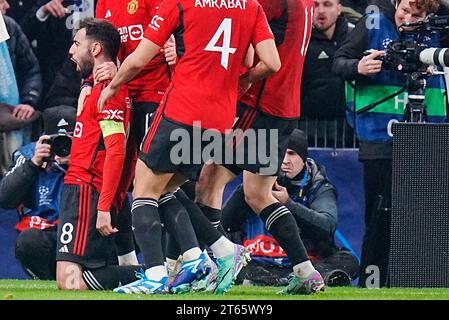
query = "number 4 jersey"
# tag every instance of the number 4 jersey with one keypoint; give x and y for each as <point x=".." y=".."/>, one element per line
<point x="212" y="37"/>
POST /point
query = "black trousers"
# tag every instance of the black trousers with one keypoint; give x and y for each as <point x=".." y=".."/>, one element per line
<point x="376" y="241"/>
<point x="36" y="251"/>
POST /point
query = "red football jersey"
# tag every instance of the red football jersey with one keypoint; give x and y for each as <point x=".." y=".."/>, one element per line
<point x="131" y="18"/>
<point x="291" y="23"/>
<point x="87" y="155"/>
<point x="214" y="37"/>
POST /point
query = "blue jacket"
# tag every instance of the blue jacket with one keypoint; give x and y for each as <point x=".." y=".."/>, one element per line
<point x="372" y="126"/>
<point x="35" y="191"/>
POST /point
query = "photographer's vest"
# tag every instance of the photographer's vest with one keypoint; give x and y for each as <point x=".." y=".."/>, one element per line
<point x="47" y="192"/>
<point x="375" y="124"/>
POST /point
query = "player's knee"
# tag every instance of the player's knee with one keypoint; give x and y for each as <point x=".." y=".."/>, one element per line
<point x="255" y="198"/>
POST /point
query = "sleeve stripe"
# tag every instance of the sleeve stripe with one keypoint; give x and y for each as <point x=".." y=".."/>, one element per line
<point x="21" y="160"/>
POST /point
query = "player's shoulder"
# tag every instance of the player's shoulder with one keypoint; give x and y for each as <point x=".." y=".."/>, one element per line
<point x="253" y="4"/>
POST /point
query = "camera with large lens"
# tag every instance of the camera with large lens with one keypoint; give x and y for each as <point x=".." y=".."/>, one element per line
<point x="411" y="53"/>
<point x="60" y="145"/>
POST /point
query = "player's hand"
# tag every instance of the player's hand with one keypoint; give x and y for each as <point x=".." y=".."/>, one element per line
<point x="56" y="9"/>
<point x="244" y="84"/>
<point x="280" y="193"/>
<point x="23" y="112"/>
<point x="106" y="94"/>
<point x="104" y="226"/>
<point x="169" y="51"/>
<point x="41" y="151"/>
<point x="368" y="65"/>
<point x="85" y="91"/>
<point x="105" y="71"/>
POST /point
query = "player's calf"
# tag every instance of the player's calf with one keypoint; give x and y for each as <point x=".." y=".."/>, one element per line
<point x="69" y="276"/>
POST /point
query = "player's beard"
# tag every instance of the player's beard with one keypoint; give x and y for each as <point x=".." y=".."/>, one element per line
<point x="86" y="66"/>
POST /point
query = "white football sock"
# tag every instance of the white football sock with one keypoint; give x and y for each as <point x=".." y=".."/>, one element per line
<point x="191" y="254"/>
<point x="129" y="259"/>
<point x="303" y="269"/>
<point x="222" y="247"/>
<point x="156" y="273"/>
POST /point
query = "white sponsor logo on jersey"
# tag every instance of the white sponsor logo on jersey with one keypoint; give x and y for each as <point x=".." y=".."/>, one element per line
<point x="113" y="114"/>
<point x="135" y="32"/>
<point x="155" y="22"/>
<point x="77" y="133"/>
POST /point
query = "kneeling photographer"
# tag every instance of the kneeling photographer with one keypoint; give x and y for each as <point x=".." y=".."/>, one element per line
<point x="34" y="185"/>
<point x="385" y="56"/>
<point x="312" y="199"/>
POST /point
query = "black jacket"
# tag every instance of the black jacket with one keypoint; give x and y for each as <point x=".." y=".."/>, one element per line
<point x="51" y="40"/>
<point x="65" y="89"/>
<point x="25" y="64"/>
<point x="17" y="186"/>
<point x="316" y="212"/>
<point x="322" y="91"/>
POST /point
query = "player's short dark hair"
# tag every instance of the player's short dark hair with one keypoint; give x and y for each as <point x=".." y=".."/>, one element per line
<point x="105" y="33"/>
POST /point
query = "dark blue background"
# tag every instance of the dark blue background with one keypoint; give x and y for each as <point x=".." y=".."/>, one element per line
<point x="342" y="167"/>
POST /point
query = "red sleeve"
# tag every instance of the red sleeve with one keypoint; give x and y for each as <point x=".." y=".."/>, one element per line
<point x="114" y="109"/>
<point x="115" y="145"/>
<point x="261" y="30"/>
<point x="113" y="166"/>
<point x="163" y="23"/>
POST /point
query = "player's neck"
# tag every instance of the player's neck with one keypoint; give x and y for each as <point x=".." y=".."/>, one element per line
<point x="98" y="61"/>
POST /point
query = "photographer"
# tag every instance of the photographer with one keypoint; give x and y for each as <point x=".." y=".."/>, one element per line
<point x="34" y="186"/>
<point x="312" y="199"/>
<point x="373" y="127"/>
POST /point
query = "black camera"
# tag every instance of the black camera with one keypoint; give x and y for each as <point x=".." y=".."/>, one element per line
<point x="412" y="56"/>
<point x="411" y="53"/>
<point x="60" y="145"/>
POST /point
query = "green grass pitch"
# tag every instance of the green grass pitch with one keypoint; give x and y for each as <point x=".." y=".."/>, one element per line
<point x="46" y="290"/>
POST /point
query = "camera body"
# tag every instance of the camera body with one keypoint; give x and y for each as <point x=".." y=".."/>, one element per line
<point x="60" y="145"/>
<point x="404" y="56"/>
<point x="411" y="53"/>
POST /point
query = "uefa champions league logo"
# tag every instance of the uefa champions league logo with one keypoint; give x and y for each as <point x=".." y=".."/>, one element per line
<point x="386" y="42"/>
<point x="43" y="195"/>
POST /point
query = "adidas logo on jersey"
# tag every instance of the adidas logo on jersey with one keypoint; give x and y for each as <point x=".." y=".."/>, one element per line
<point x="108" y="14"/>
<point x="323" y="55"/>
<point x="62" y="123"/>
<point x="64" y="249"/>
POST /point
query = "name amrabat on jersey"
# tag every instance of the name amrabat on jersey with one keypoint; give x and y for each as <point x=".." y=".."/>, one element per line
<point x="222" y="4"/>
